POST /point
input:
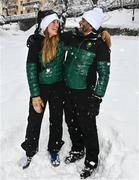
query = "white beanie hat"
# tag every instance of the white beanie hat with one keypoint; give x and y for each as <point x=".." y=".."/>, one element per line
<point x="94" y="17"/>
<point x="47" y="20"/>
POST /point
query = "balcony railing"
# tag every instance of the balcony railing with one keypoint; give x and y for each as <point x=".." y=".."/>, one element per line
<point x="13" y="6"/>
<point x="31" y="3"/>
<point x="20" y="17"/>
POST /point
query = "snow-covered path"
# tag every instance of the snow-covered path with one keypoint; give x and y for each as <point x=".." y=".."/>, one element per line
<point x="118" y="124"/>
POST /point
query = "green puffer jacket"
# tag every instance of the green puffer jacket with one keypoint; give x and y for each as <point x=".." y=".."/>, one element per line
<point x="37" y="73"/>
<point x="87" y="64"/>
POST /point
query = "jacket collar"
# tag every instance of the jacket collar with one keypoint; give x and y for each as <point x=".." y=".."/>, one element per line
<point x="91" y="35"/>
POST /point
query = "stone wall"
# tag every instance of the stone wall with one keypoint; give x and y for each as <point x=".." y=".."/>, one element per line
<point x="124" y="31"/>
<point x="26" y="24"/>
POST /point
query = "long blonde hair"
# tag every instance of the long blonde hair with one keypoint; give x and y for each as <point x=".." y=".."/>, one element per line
<point x="49" y="47"/>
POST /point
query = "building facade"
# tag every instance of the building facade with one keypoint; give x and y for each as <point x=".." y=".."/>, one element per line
<point x="0" y="8"/>
<point x="17" y="7"/>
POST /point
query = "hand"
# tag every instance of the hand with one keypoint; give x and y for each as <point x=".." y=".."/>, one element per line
<point x="37" y="104"/>
<point x="95" y="105"/>
<point x="106" y="38"/>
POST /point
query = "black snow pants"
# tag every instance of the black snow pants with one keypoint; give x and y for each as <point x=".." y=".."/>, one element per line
<point x="81" y="124"/>
<point x="54" y="94"/>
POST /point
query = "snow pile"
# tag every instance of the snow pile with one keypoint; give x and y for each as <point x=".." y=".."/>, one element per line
<point x="11" y="29"/>
<point x="72" y="22"/>
<point x="12" y="26"/>
<point x="2" y="20"/>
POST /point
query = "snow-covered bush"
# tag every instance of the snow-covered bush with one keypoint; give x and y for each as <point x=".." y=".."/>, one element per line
<point x="2" y="20"/>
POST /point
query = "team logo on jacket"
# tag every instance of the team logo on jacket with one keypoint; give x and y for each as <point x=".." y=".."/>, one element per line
<point x="89" y="45"/>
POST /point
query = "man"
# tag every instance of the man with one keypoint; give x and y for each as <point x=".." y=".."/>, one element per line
<point x="86" y="75"/>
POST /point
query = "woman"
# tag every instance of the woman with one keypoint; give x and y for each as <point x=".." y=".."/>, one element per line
<point x="45" y="79"/>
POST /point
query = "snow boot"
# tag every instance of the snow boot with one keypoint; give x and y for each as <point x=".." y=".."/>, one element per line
<point x="55" y="161"/>
<point x="27" y="162"/>
<point x="88" y="170"/>
<point x="74" y="156"/>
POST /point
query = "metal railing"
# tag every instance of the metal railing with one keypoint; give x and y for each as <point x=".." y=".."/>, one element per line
<point x="20" y="17"/>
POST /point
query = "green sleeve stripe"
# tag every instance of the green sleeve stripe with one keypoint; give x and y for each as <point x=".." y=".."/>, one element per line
<point x="32" y="77"/>
<point x="103" y="69"/>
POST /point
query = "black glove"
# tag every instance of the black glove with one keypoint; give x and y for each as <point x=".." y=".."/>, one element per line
<point x="95" y="105"/>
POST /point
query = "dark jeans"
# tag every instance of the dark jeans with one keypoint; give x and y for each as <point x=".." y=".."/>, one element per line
<point x="81" y="123"/>
<point x="54" y="94"/>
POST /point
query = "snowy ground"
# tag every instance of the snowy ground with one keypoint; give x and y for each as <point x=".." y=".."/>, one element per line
<point x="118" y="124"/>
<point x="122" y="19"/>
